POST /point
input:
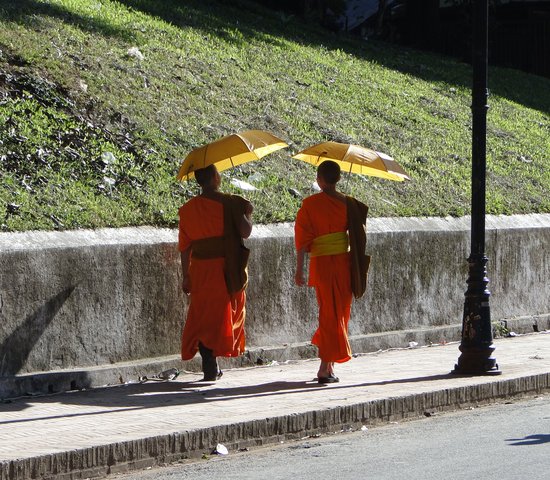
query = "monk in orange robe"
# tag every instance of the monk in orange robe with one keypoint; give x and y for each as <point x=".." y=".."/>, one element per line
<point x="216" y="315"/>
<point x="321" y="229"/>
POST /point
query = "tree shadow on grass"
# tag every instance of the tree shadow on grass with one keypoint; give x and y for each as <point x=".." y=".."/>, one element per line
<point x="240" y="22"/>
<point x="25" y="12"/>
<point x="251" y="21"/>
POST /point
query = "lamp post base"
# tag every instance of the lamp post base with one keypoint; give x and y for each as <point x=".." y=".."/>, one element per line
<point x="476" y="361"/>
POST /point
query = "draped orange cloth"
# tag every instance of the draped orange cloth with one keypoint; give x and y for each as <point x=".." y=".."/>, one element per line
<point x="321" y="214"/>
<point x="215" y="318"/>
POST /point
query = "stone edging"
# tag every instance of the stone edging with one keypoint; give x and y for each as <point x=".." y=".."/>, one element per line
<point x="138" y="454"/>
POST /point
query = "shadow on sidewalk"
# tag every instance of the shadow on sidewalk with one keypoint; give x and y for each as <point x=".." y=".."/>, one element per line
<point x="166" y="394"/>
<point x="530" y="440"/>
<point x="412" y="380"/>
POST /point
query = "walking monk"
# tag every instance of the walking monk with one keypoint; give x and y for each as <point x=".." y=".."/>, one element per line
<point x="331" y="227"/>
<point x="213" y="258"/>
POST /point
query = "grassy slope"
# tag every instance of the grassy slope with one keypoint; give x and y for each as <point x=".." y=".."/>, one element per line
<point x="70" y="93"/>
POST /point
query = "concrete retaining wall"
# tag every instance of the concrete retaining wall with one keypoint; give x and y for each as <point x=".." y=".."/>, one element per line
<point x="87" y="298"/>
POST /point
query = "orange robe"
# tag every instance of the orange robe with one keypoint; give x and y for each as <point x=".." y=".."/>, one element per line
<point x="319" y="215"/>
<point x="215" y="318"/>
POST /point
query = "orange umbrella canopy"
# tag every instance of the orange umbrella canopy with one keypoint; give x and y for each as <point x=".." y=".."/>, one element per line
<point x="354" y="159"/>
<point x="230" y="151"/>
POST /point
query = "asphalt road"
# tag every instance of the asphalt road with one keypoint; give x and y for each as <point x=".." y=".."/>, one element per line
<point x="504" y="441"/>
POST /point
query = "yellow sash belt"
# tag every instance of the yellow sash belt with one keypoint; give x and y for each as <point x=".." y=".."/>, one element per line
<point x="330" y="244"/>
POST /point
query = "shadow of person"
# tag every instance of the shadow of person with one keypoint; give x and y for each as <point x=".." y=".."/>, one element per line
<point x="138" y="396"/>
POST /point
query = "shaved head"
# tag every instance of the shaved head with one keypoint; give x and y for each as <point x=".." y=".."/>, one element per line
<point x="204" y="176"/>
<point x="329" y="171"/>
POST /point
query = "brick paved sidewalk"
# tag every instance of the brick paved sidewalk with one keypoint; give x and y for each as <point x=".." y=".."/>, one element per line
<point x="101" y="431"/>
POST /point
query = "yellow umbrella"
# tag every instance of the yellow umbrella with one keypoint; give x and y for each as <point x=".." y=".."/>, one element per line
<point x="355" y="159"/>
<point x="231" y="151"/>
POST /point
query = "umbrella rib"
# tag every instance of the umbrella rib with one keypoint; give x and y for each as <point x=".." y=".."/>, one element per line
<point x="349" y="175"/>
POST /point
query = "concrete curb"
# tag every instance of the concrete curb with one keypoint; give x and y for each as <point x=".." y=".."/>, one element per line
<point x="128" y="372"/>
<point x="132" y="455"/>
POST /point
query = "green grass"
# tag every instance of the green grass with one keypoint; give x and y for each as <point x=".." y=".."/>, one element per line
<point x="70" y="96"/>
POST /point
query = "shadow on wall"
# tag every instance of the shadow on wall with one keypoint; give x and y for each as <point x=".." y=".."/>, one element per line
<point x="18" y="345"/>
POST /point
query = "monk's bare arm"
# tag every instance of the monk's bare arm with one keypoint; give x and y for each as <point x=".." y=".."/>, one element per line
<point x="299" y="275"/>
<point x="245" y="226"/>
<point x="186" y="283"/>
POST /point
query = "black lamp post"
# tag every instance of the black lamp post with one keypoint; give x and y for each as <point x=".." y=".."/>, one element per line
<point x="477" y="337"/>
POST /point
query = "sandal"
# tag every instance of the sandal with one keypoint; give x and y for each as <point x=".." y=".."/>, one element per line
<point x="330" y="379"/>
<point x="212" y="378"/>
